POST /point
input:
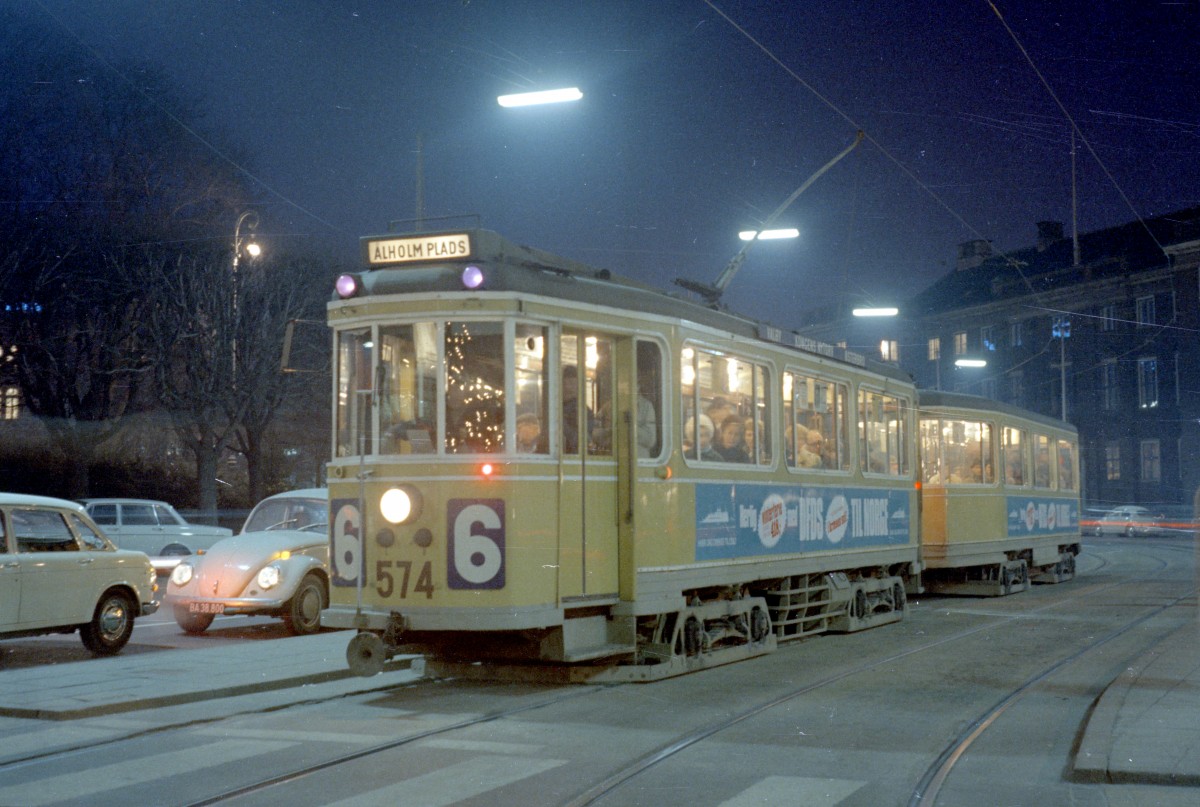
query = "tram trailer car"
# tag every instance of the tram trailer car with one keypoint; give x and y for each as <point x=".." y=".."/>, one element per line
<point x="999" y="496"/>
<point x="543" y="465"/>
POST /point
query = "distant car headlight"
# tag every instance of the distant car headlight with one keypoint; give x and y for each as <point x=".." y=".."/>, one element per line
<point x="181" y="575"/>
<point x="269" y="577"/>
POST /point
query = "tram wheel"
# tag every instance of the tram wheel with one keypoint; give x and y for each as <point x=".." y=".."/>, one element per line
<point x="898" y="597"/>
<point x="760" y="625"/>
<point x="1006" y="580"/>
<point x="860" y="604"/>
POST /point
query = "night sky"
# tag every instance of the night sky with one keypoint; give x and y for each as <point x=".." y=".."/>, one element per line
<point x="690" y="129"/>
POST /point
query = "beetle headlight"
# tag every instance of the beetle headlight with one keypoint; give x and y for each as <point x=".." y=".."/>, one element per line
<point x="269" y="577"/>
<point x="181" y="575"/>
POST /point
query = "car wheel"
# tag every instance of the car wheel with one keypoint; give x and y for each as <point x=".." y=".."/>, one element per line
<point x="194" y="624"/>
<point x="174" y="551"/>
<point x="1129" y="531"/>
<point x="304" y="611"/>
<point x="1099" y="531"/>
<point x="111" y="625"/>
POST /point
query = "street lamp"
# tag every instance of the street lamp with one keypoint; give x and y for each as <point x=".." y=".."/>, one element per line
<point x="768" y="235"/>
<point x="253" y="250"/>
<point x="540" y="97"/>
<point x="885" y="311"/>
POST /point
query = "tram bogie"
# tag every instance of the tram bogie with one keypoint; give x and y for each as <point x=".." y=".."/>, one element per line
<point x="545" y="471"/>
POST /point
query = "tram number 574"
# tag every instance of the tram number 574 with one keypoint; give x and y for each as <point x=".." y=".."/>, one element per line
<point x="475" y="545"/>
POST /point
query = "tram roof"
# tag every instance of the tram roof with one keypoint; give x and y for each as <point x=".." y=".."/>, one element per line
<point x="516" y="268"/>
<point x="958" y="400"/>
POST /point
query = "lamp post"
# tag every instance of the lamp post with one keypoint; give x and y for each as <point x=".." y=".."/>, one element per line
<point x="253" y="250"/>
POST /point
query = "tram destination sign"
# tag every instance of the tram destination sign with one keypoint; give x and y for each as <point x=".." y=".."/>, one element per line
<point x="417" y="248"/>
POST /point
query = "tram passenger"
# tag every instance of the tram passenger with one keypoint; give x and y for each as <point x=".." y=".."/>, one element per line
<point x="731" y="442"/>
<point x="704" y="434"/>
<point x="817" y="448"/>
<point x="529" y="434"/>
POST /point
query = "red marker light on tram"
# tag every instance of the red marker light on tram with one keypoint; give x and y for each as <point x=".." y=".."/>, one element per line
<point x="472" y="277"/>
<point x="487" y="469"/>
<point x="346" y="286"/>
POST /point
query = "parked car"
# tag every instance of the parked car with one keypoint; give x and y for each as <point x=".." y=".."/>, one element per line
<point x="1129" y="520"/>
<point x="278" y="565"/>
<point x="152" y="527"/>
<point x="60" y="574"/>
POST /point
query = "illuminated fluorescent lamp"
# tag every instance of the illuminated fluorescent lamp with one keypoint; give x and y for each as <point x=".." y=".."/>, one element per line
<point x="970" y="363"/>
<point x="768" y="235"/>
<point x="875" y="312"/>
<point x="541" y="97"/>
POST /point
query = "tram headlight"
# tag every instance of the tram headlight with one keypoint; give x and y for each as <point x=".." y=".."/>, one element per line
<point x="400" y="505"/>
<point x="472" y="277"/>
<point x="269" y="576"/>
<point x="347" y="286"/>
<point x="181" y="575"/>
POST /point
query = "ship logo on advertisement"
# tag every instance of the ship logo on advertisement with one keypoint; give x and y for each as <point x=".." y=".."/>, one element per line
<point x="836" y="519"/>
<point x="770" y="520"/>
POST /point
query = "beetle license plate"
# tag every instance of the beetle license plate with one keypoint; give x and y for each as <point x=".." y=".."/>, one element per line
<point x="206" y="608"/>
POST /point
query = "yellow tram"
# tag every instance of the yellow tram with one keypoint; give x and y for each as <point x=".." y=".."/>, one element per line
<point x="999" y="498"/>
<point x="538" y="461"/>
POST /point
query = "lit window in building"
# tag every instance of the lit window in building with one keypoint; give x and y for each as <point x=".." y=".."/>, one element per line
<point x="10" y="403"/>
<point x="1148" y="383"/>
<point x="987" y="338"/>
<point x="889" y="350"/>
<point x="1151" y="461"/>
<point x="1145" y="311"/>
<point x="960" y="343"/>
<point x="1112" y="461"/>
<point x="935" y="349"/>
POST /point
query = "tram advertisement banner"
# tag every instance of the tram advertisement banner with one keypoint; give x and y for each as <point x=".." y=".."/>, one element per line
<point x="740" y="520"/>
<point x="1041" y="515"/>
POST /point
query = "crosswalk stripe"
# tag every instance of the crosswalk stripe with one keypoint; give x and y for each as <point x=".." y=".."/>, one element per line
<point x="806" y="790"/>
<point x="454" y="783"/>
<point x="297" y="735"/>
<point x="129" y="772"/>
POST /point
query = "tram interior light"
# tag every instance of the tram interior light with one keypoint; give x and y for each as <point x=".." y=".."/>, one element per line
<point x="472" y="277"/>
<point x="346" y="286"/>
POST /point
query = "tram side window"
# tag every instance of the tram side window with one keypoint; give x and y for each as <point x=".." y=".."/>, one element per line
<point x="932" y="462"/>
<point x="1041" y="462"/>
<point x="883" y="442"/>
<point x="474" y="387"/>
<point x="354" y="357"/>
<point x="408" y="389"/>
<point x="727" y="416"/>
<point x="1016" y="456"/>
<point x="815" y="416"/>
<point x="967" y="452"/>
<point x="532" y="390"/>
<point x="1066" y="465"/>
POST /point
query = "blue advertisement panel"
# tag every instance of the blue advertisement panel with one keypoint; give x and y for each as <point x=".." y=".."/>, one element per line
<point x="734" y="521"/>
<point x="1041" y="515"/>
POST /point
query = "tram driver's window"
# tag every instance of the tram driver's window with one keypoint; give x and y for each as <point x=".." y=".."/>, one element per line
<point x="407" y="395"/>
<point x="475" y="355"/>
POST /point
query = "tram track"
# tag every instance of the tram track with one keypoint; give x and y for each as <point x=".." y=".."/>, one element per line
<point x="924" y="792"/>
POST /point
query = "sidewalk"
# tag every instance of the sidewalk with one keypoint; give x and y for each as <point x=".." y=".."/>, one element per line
<point x="1145" y="728"/>
<point x="126" y="683"/>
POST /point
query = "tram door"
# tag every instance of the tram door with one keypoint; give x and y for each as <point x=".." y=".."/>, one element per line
<point x="588" y="474"/>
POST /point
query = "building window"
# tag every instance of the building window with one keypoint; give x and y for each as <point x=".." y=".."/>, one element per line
<point x="1151" y="461"/>
<point x="1014" y="334"/>
<point x="1109" y="396"/>
<point x="1147" y="383"/>
<point x="10" y="403"/>
<point x="935" y="349"/>
<point x="960" y="343"/>
<point x="1108" y="317"/>
<point x="1112" y="461"/>
<point x="1145" y="311"/>
<point x="889" y="350"/>
<point x="987" y="338"/>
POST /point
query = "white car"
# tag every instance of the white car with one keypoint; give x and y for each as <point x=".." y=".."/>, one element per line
<point x="152" y="527"/>
<point x="1128" y="520"/>
<point x="59" y="574"/>
<point x="278" y="565"/>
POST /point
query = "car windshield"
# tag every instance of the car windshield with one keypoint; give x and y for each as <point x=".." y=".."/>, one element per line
<point x="311" y="515"/>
